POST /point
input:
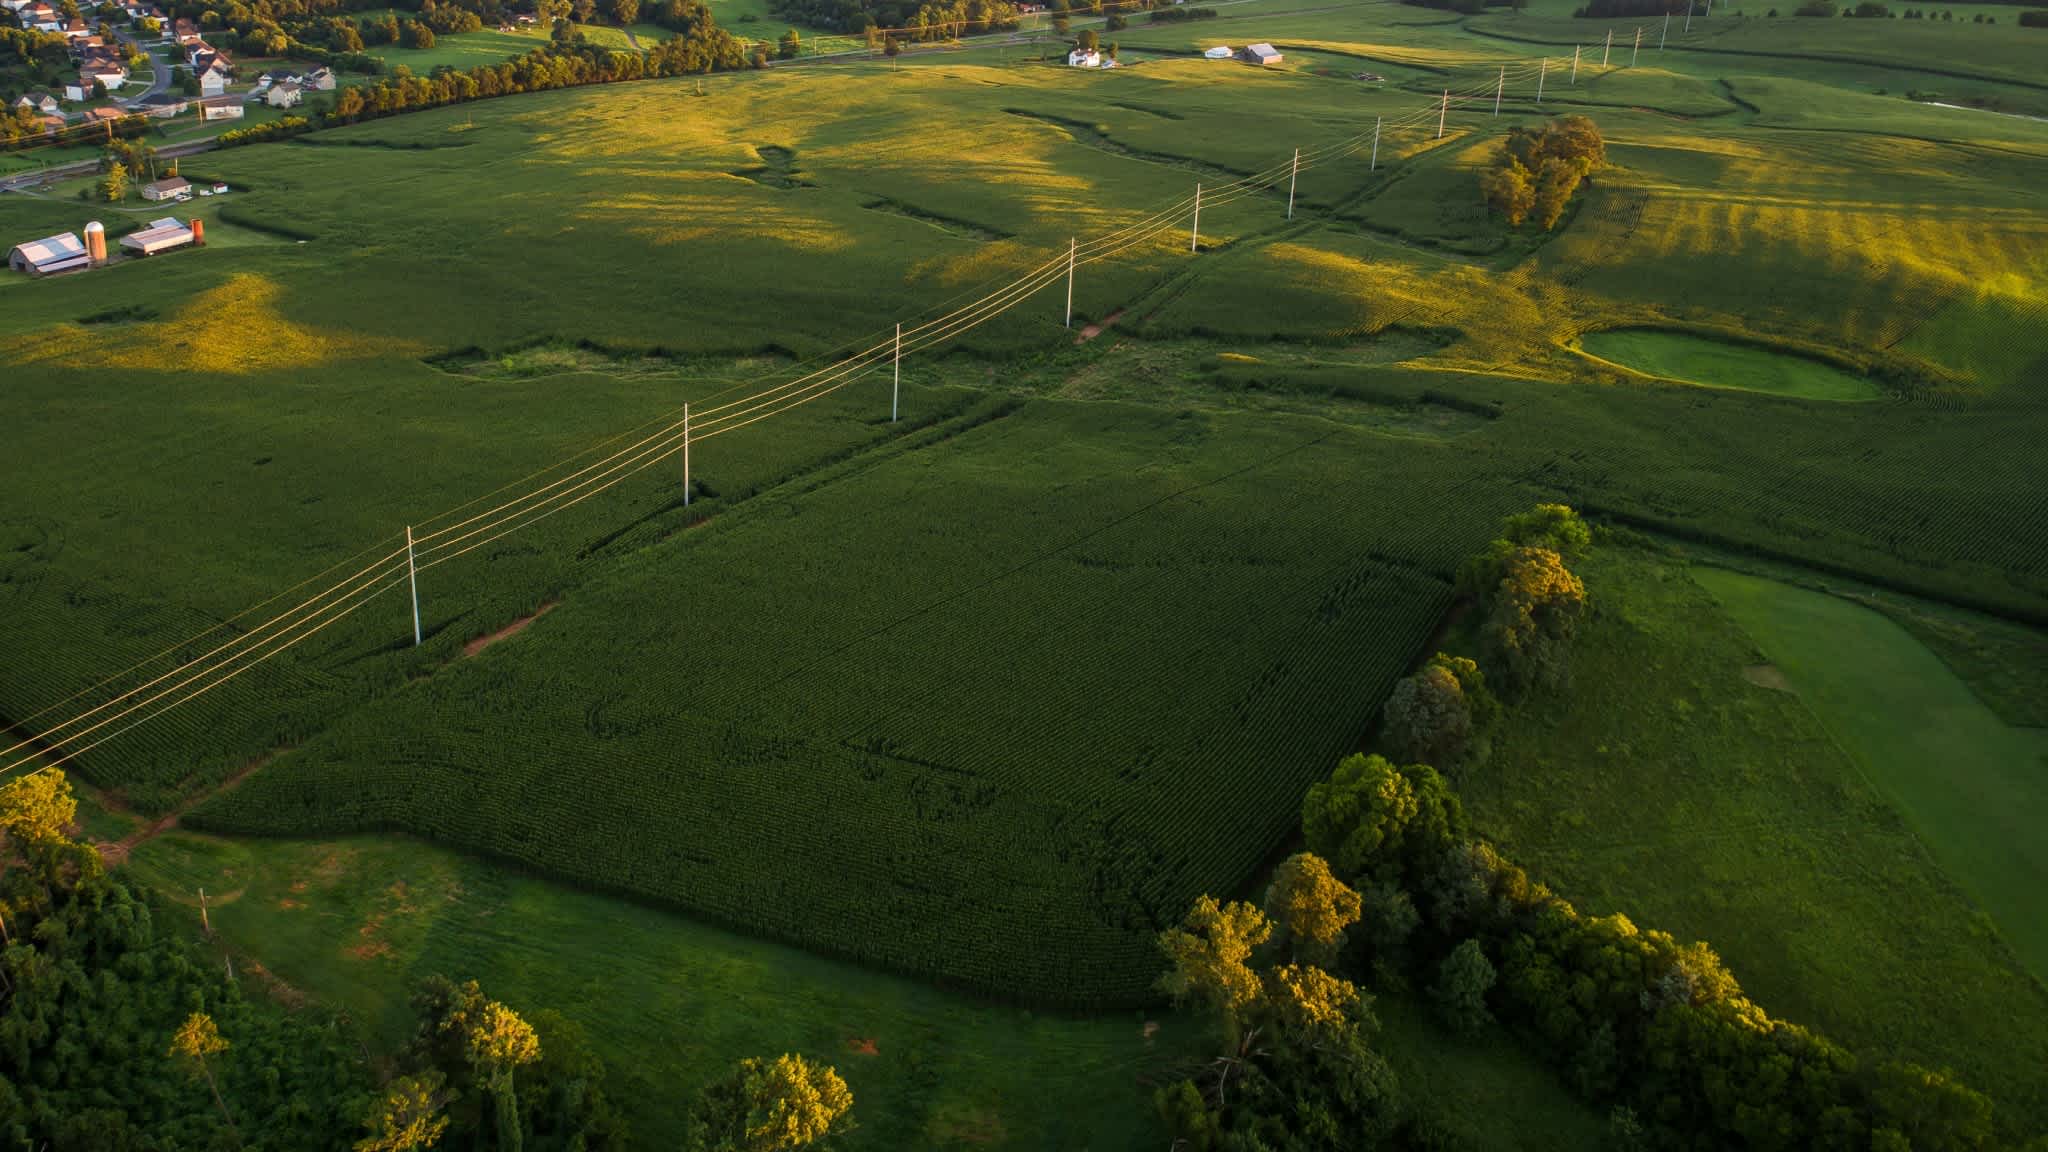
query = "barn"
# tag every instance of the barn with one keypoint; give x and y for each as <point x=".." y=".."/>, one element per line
<point x="1261" y="54"/>
<point x="59" y="253"/>
<point x="161" y="236"/>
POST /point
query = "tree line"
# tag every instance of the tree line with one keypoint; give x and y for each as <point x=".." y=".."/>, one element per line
<point x="703" y="48"/>
<point x="1395" y="892"/>
<point x="915" y="20"/>
<point x="115" y="1034"/>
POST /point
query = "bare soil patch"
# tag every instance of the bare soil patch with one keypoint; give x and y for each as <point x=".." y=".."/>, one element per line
<point x="513" y="629"/>
<point x="1767" y="676"/>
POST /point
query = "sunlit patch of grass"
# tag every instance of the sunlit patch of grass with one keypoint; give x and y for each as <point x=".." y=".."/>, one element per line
<point x="235" y="328"/>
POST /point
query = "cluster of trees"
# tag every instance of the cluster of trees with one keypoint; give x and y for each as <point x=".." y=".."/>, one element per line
<point x="1395" y="892"/>
<point x="1538" y="172"/>
<point x="706" y="48"/>
<point x="276" y="129"/>
<point x="1615" y="9"/>
<point x="114" y="1035"/>
<point x="2032" y="18"/>
<point x="1295" y="1069"/>
<point x="40" y="56"/>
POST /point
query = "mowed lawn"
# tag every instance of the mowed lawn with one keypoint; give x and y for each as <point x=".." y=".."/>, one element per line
<point x="1972" y="786"/>
<point x="1685" y="781"/>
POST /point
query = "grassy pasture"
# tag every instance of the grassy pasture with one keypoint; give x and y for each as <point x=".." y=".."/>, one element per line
<point x="1698" y="781"/>
<point x="670" y="1002"/>
<point x="1969" y="784"/>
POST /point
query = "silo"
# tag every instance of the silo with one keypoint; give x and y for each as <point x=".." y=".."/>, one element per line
<point x="96" y="242"/>
<point x="198" y="232"/>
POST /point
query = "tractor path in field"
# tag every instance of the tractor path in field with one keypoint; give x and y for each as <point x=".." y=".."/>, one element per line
<point x="513" y="629"/>
<point x="1091" y="331"/>
<point x="114" y="852"/>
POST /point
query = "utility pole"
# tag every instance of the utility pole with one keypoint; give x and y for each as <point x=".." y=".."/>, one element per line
<point x="1500" y="88"/>
<point x="1375" y="145"/>
<point x="1442" y="112"/>
<point x="1291" y="174"/>
<point x="205" y="921"/>
<point x="1575" y="65"/>
<point x="896" y="373"/>
<point x="1541" y="72"/>
<point x="1070" y="281"/>
<point x="1664" y="35"/>
<point x="686" y="455"/>
<point x="1688" y="17"/>
<point x="1195" y="229"/>
<point x="1638" y="50"/>
<point x="1604" y="52"/>
<point x="412" y="575"/>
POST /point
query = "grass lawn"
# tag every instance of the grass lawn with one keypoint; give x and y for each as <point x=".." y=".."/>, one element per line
<point x="668" y="1002"/>
<point x="1487" y="1090"/>
<point x="1686" y="781"/>
<point x="1973" y="787"/>
<point x="463" y="50"/>
<point x="1723" y="364"/>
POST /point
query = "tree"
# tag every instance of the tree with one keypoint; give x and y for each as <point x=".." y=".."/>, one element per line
<point x="1438" y="715"/>
<point x="499" y="1042"/>
<point x="1310" y="1007"/>
<point x="1509" y="191"/>
<point x="891" y="48"/>
<point x="1376" y="822"/>
<point x="1309" y="905"/>
<point x="1461" y="986"/>
<point x="37" y="810"/>
<point x="114" y="187"/>
<point x="1553" y="526"/>
<point x="408" y="1116"/>
<point x="99" y="90"/>
<point x="1535" y="613"/>
<point x="1087" y="41"/>
<point x="1555" y="183"/>
<point x="764" y="1106"/>
<point x="1116" y="22"/>
<point x="197" y="1041"/>
<point x="789" y="46"/>
<point x="1208" y="955"/>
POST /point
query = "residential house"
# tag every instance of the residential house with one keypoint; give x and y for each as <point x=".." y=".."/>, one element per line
<point x="213" y="82"/>
<point x="1261" y="54"/>
<point x="276" y="76"/>
<point x="1084" y="58"/>
<point x="14" y="5"/>
<point x="185" y="31"/>
<point x="79" y="89"/>
<point x="75" y="29"/>
<point x="168" y="188"/>
<point x="42" y="103"/>
<point x="285" y="95"/>
<point x="105" y="115"/>
<point x="52" y="125"/>
<point x="164" y="105"/>
<point x="58" y="253"/>
<point x="40" y="16"/>
<point x="220" y="108"/>
<point x="320" y="80"/>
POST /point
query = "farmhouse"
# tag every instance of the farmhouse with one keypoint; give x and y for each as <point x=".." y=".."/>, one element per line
<point x="220" y="108"/>
<point x="161" y="236"/>
<point x="58" y="253"/>
<point x="1261" y="54"/>
<point x="283" y="95"/>
<point x="1084" y="58"/>
<point x="41" y="103"/>
<point x="320" y="80"/>
<point x="168" y="188"/>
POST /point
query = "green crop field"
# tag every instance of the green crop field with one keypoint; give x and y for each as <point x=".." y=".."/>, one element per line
<point x="982" y="697"/>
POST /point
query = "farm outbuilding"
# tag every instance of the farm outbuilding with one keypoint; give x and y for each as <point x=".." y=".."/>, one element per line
<point x="220" y="108"/>
<point x="59" y="253"/>
<point x="1220" y="52"/>
<point x="161" y="236"/>
<point x="1261" y="54"/>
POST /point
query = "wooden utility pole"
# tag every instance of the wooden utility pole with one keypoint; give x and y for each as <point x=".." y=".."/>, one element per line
<point x="1442" y="112"/>
<point x="1195" y="228"/>
<point x="1291" y="174"/>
